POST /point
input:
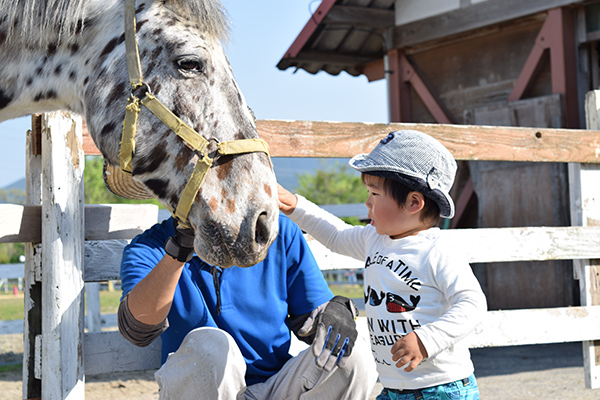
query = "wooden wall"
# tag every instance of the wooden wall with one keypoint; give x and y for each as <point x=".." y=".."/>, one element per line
<point x="476" y="71"/>
<point x="472" y="77"/>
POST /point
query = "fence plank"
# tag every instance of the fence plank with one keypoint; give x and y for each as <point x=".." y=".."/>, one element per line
<point x="20" y="224"/>
<point x="537" y="326"/>
<point x="465" y="142"/>
<point x="526" y="244"/>
<point x="103" y="258"/>
<point x="102" y="221"/>
<point x="110" y="352"/>
<point x="498" y="245"/>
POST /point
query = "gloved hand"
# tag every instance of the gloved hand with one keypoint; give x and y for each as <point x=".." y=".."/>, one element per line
<point x="181" y="245"/>
<point x="335" y="333"/>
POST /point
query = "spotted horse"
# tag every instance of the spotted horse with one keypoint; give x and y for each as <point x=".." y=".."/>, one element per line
<point x="154" y="76"/>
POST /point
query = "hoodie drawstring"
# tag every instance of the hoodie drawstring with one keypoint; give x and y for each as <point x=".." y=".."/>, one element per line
<point x="216" y="272"/>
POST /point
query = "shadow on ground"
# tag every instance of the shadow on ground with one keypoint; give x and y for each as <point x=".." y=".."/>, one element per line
<point x="515" y="359"/>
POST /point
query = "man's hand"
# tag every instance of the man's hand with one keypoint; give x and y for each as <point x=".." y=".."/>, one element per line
<point x="335" y="333"/>
<point x="287" y="200"/>
<point x="408" y="350"/>
<point x="181" y="245"/>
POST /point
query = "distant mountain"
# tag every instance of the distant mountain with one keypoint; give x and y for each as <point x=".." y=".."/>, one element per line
<point x="13" y="193"/>
<point x="20" y="184"/>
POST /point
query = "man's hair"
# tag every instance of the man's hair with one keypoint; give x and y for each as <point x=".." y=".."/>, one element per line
<point x="399" y="192"/>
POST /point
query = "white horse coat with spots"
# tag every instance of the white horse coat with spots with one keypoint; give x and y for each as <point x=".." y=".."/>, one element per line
<point x="70" y="55"/>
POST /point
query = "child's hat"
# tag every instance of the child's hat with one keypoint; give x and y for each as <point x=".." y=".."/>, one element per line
<point x="416" y="160"/>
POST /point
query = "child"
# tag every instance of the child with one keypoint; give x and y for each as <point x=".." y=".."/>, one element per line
<point x="421" y="297"/>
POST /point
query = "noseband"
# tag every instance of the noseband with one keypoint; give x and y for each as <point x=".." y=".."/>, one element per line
<point x="184" y="131"/>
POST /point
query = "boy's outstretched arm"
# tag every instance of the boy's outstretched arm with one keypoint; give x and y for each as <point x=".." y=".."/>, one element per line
<point x="408" y="349"/>
<point x="287" y="200"/>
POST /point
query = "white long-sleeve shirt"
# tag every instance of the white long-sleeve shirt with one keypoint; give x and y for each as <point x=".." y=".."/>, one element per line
<point x="416" y="283"/>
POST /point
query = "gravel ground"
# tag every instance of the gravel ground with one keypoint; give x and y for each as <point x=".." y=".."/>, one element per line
<point x="520" y="373"/>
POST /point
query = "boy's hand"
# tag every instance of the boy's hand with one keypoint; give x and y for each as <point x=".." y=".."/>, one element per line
<point x="287" y="200"/>
<point x="408" y="350"/>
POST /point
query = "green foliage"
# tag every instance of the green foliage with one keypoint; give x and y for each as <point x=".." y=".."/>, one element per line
<point x="338" y="185"/>
<point x="95" y="191"/>
<point x="10" y="252"/>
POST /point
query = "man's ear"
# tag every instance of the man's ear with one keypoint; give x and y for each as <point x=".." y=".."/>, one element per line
<point x="415" y="202"/>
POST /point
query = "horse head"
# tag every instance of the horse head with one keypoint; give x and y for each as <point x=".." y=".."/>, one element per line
<point x="234" y="212"/>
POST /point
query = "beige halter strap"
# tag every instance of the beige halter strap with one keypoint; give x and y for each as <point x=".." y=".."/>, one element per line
<point x="190" y="136"/>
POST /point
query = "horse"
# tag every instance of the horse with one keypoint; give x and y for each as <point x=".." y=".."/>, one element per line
<point x="84" y="57"/>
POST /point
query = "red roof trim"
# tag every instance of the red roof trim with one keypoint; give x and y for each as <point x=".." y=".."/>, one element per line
<point x="309" y="28"/>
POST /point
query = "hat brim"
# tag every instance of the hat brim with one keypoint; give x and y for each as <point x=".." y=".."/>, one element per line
<point x="123" y="185"/>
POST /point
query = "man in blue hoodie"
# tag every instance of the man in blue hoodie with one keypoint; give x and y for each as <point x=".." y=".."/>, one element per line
<point x="226" y="333"/>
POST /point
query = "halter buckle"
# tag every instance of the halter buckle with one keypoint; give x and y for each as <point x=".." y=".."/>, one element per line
<point x="140" y="90"/>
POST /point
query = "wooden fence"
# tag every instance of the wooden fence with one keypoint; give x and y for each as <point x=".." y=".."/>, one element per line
<point x="69" y="243"/>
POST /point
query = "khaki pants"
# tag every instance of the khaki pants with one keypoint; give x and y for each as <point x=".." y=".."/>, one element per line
<point x="209" y="365"/>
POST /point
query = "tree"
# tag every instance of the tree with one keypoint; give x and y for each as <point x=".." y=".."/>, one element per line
<point x="10" y="252"/>
<point x="339" y="185"/>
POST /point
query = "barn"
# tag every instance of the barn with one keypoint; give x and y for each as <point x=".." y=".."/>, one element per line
<point x="476" y="62"/>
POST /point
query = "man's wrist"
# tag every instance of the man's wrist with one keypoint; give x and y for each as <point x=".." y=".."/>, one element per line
<point x="179" y="253"/>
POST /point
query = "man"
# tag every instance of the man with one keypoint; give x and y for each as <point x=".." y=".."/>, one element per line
<point x="226" y="333"/>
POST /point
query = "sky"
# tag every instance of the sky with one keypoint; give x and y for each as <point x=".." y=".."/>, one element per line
<point x="262" y="30"/>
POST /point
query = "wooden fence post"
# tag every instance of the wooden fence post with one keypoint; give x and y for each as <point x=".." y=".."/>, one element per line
<point x="62" y="370"/>
<point x="93" y="319"/>
<point x="585" y="211"/>
<point x="32" y="327"/>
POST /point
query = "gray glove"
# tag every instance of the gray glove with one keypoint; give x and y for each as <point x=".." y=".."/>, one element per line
<point x="335" y="332"/>
<point x="181" y="245"/>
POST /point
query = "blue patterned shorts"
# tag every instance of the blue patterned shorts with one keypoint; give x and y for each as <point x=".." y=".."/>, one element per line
<point x="464" y="389"/>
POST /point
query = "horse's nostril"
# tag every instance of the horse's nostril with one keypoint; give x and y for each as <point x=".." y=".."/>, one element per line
<point x="261" y="233"/>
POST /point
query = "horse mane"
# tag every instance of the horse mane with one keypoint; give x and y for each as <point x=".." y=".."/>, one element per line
<point x="210" y="14"/>
<point x="42" y="21"/>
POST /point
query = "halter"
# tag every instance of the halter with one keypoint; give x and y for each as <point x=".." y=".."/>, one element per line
<point x="184" y="131"/>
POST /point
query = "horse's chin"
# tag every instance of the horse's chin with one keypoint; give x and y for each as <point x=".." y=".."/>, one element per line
<point x="225" y="241"/>
<point x="214" y="252"/>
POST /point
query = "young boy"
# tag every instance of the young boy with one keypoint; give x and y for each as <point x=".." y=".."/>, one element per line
<point x="421" y="297"/>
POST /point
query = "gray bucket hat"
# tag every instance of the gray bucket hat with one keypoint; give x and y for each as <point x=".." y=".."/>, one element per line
<point x="416" y="160"/>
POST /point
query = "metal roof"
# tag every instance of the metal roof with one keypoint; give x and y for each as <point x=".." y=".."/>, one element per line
<point x="341" y="35"/>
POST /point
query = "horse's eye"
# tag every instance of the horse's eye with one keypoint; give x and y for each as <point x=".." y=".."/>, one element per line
<point x="191" y="65"/>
